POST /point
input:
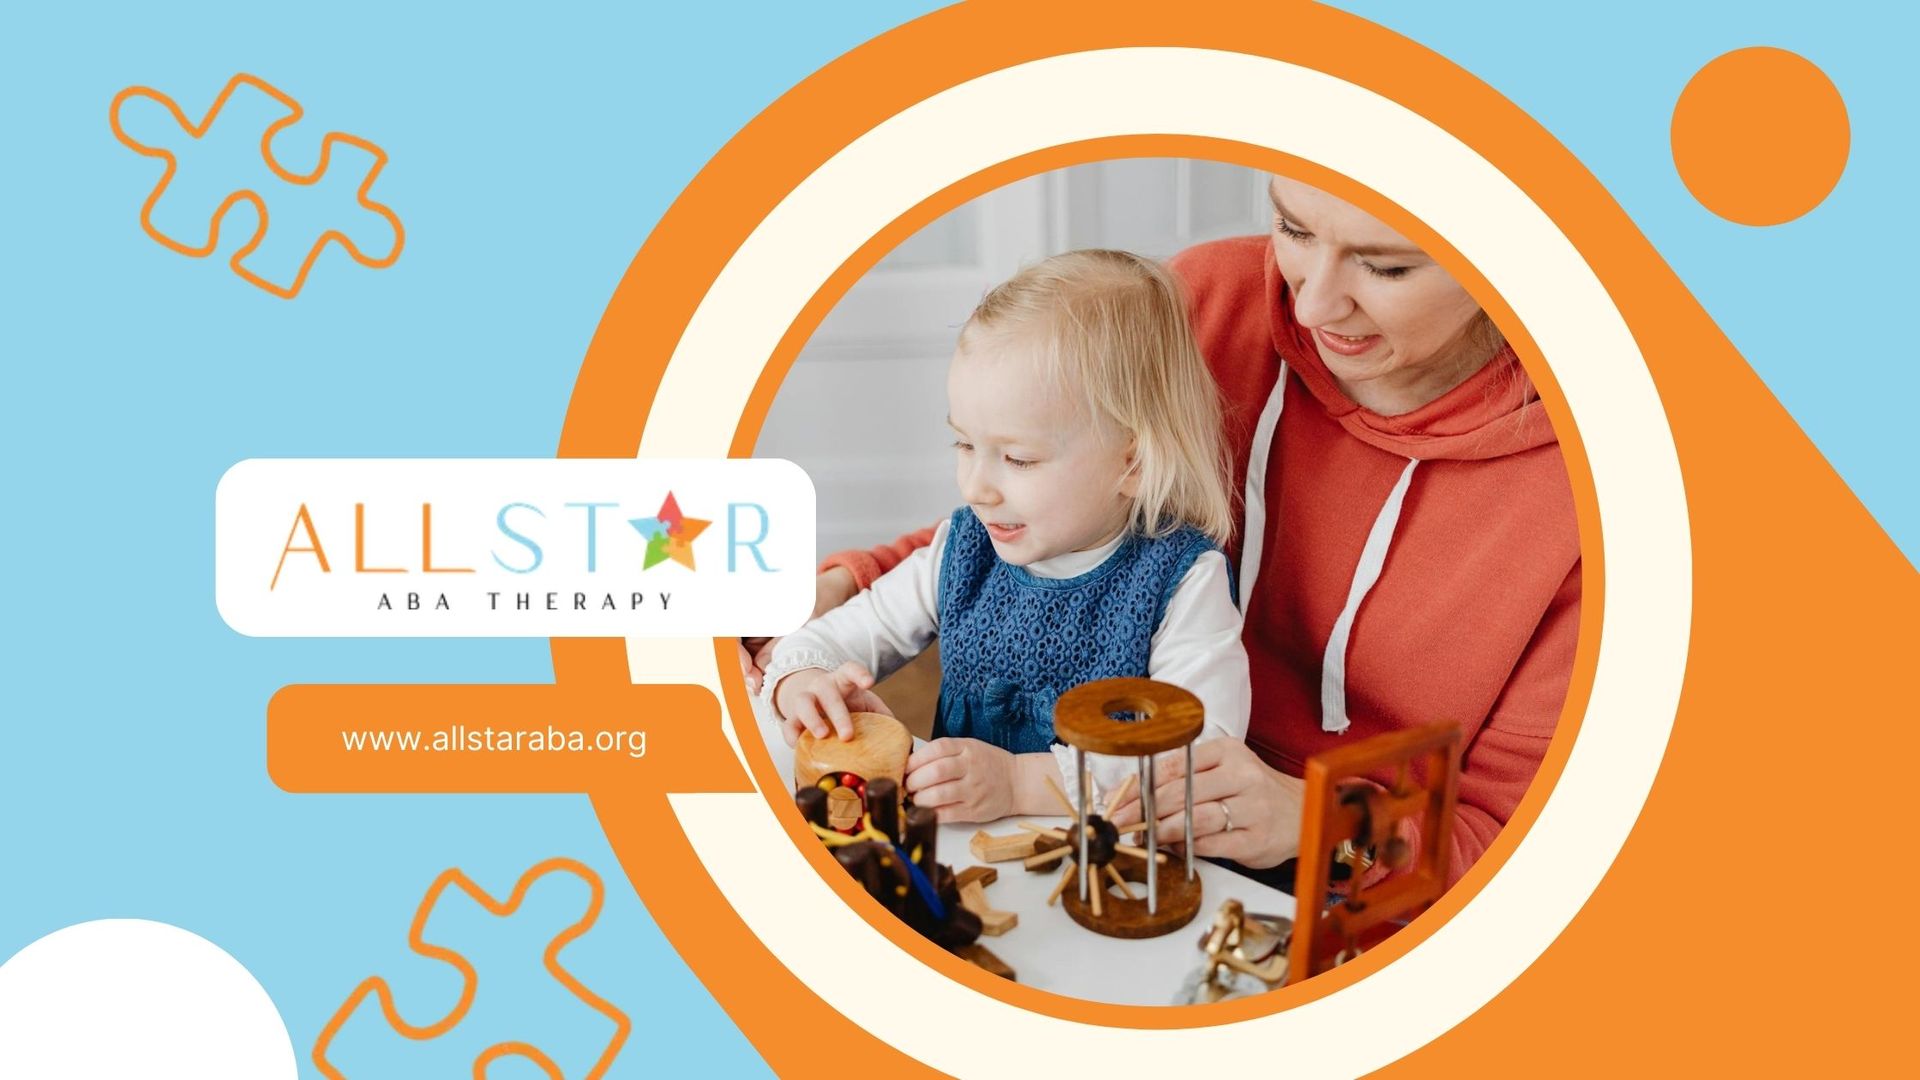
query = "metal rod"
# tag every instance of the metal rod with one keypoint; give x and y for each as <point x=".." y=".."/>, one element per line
<point x="1080" y="771"/>
<point x="1189" y="811"/>
<point x="1153" y="834"/>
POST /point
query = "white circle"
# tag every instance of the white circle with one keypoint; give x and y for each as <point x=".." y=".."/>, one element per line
<point x="1495" y="226"/>
<point x="132" y="997"/>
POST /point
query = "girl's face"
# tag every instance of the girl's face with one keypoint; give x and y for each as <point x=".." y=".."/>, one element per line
<point x="1391" y="324"/>
<point x="1030" y="462"/>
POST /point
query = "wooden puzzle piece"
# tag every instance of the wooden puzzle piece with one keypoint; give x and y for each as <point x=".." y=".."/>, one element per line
<point x="492" y="1045"/>
<point x="973" y="882"/>
<point x="151" y="124"/>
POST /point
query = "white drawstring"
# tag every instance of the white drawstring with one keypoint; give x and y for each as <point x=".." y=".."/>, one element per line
<point x="1373" y="556"/>
<point x="1253" y="536"/>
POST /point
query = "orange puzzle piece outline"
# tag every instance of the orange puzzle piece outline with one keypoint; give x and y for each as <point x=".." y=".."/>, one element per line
<point x="259" y="204"/>
<point x="470" y="979"/>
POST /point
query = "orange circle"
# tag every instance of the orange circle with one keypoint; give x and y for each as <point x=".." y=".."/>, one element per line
<point x="1760" y="136"/>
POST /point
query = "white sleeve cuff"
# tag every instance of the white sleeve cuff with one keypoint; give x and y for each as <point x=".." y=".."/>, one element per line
<point x="789" y="662"/>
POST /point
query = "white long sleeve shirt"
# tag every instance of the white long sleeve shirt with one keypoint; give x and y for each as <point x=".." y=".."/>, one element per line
<point x="1196" y="646"/>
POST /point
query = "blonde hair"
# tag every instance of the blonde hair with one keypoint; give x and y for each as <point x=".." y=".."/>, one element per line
<point x="1113" y="326"/>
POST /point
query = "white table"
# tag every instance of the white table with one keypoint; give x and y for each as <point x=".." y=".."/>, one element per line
<point x="1049" y="951"/>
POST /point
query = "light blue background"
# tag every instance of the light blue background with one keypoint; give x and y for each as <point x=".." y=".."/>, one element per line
<point x="531" y="155"/>
<point x="1822" y="307"/>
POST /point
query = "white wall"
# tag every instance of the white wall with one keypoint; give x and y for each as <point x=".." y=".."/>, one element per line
<point x="863" y="410"/>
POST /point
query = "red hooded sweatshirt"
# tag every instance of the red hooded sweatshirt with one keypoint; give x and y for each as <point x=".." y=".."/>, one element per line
<point x="1410" y="568"/>
<point x="1475" y="612"/>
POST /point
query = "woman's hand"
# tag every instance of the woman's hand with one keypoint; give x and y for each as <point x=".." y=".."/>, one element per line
<point x="1231" y="786"/>
<point x="833" y="588"/>
<point x="970" y="780"/>
<point x="830" y="590"/>
<point x="823" y="702"/>
<point x="755" y="654"/>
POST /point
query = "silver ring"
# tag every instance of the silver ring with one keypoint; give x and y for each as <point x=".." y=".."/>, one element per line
<point x="1229" y="816"/>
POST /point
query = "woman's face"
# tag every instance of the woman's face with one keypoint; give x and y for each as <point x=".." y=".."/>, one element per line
<point x="1391" y="324"/>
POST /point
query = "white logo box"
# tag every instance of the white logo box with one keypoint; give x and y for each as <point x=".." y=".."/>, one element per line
<point x="752" y="573"/>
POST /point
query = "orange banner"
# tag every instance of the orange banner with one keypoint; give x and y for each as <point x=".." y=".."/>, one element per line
<point x="523" y="738"/>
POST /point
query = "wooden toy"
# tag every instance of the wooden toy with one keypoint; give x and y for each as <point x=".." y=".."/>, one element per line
<point x="1135" y="718"/>
<point x="989" y="848"/>
<point x="1245" y="954"/>
<point x="973" y="882"/>
<point x="844" y="767"/>
<point x="1359" y="817"/>
<point x="891" y="854"/>
<point x="1248" y="953"/>
<point x="983" y="958"/>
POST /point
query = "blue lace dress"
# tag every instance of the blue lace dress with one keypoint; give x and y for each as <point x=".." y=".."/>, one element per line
<point x="1011" y="642"/>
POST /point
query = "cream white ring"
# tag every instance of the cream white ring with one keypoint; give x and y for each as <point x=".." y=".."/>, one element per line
<point x="1493" y="224"/>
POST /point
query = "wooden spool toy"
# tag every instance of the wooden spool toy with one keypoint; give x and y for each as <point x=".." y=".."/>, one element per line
<point x="844" y="767"/>
<point x="1135" y="718"/>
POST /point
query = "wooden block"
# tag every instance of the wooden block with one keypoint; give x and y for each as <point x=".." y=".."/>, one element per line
<point x="982" y="957"/>
<point x="989" y="848"/>
<point x="973" y="897"/>
<point x="985" y="875"/>
<point x="843" y="809"/>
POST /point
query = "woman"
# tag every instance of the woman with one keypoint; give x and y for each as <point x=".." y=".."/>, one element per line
<point x="1408" y="550"/>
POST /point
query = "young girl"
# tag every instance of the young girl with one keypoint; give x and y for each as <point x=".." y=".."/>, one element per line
<point x="1088" y="437"/>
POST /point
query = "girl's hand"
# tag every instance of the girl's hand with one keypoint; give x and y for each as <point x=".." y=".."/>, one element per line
<point x="823" y="702"/>
<point x="963" y="779"/>
<point x="1230" y="785"/>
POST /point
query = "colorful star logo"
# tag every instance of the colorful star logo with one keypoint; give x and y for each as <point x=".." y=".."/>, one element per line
<point x="669" y="534"/>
